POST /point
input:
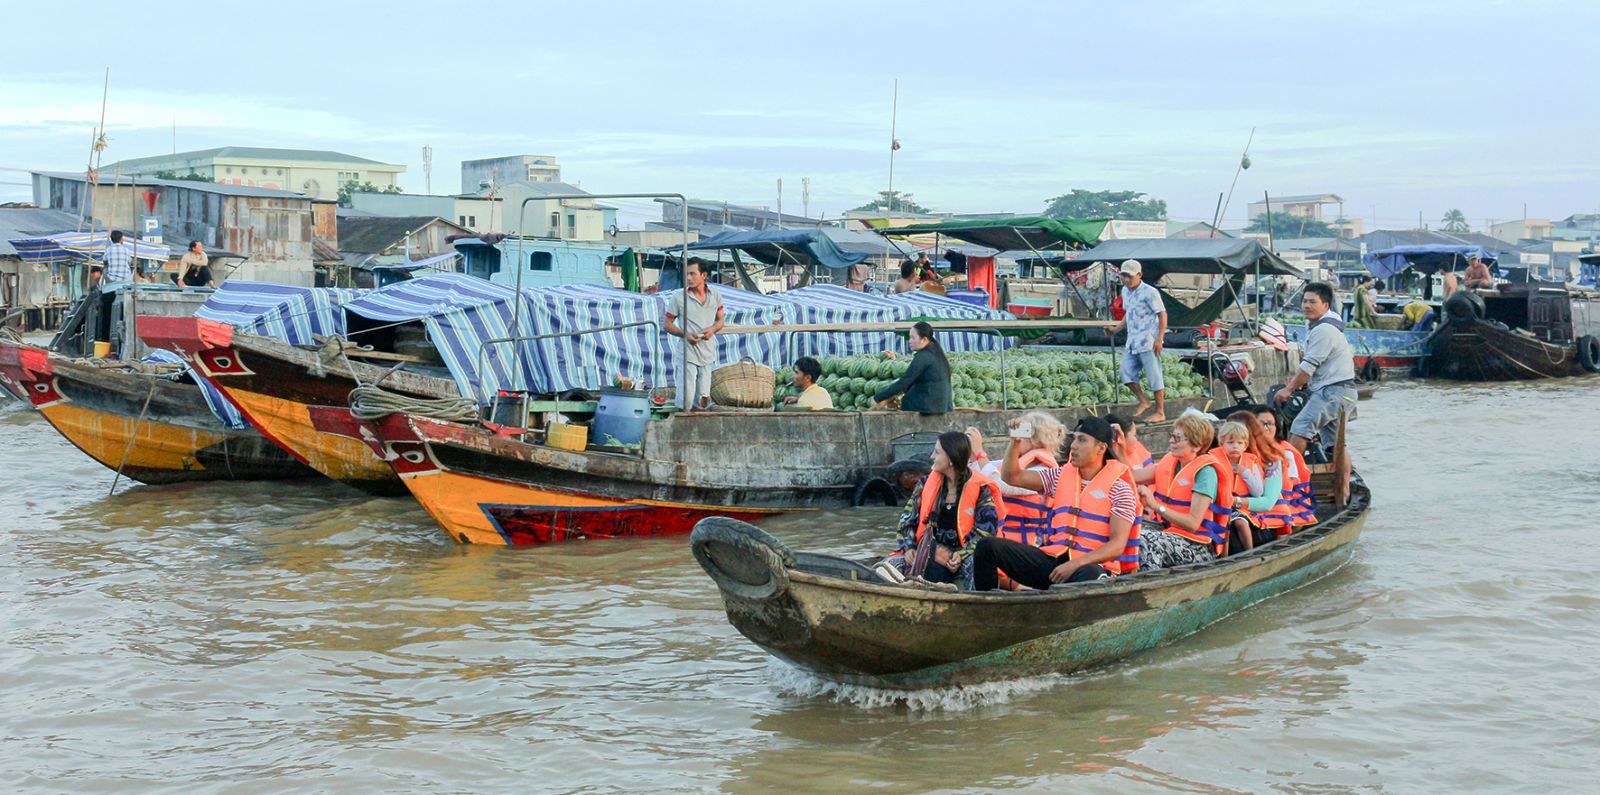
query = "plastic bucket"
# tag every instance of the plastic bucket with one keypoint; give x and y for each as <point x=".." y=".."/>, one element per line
<point x="621" y="417"/>
<point x="102" y="350"/>
<point x="565" y="436"/>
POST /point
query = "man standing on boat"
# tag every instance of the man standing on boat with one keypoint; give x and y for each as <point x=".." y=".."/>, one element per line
<point x="701" y="307"/>
<point x="1146" y="322"/>
<point x="1327" y="369"/>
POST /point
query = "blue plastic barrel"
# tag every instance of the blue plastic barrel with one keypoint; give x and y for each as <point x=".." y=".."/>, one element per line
<point x="621" y="417"/>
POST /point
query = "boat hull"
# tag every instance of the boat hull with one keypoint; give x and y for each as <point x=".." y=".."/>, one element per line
<point x="1475" y="350"/>
<point x="482" y="498"/>
<point x="869" y="633"/>
<point x="148" y="428"/>
<point x="294" y="397"/>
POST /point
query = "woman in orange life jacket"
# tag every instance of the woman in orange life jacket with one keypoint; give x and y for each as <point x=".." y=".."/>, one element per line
<point x="1127" y="448"/>
<point x="1296" y="504"/>
<point x="1190" y="496"/>
<point x="1257" y="478"/>
<point x="1093" y="511"/>
<point x="1027" y="514"/>
<point x="954" y="507"/>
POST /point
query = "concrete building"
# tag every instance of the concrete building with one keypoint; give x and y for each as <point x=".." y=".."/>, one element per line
<point x="313" y="172"/>
<point x="33" y="292"/>
<point x="564" y="219"/>
<point x="393" y="239"/>
<point x="711" y="217"/>
<point x="476" y="175"/>
<point x="1521" y="229"/>
<point x="275" y="231"/>
<point x="1308" y="206"/>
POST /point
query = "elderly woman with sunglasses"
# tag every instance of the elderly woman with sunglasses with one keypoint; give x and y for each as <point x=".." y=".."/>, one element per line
<point x="1188" y="496"/>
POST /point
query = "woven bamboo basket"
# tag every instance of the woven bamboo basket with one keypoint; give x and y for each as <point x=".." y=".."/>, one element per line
<point x="745" y="385"/>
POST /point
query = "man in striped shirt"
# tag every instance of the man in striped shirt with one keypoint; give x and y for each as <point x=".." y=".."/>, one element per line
<point x="1035" y="568"/>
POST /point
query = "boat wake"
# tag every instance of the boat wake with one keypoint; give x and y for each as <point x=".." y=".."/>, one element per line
<point x="791" y="681"/>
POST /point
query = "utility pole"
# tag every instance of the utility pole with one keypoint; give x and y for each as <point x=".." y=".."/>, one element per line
<point x="780" y="202"/>
<point x="805" y="196"/>
<point x="427" y="169"/>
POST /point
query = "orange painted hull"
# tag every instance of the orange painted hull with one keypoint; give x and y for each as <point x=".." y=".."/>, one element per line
<point x="290" y="425"/>
<point x="479" y="510"/>
<point x="158" y="452"/>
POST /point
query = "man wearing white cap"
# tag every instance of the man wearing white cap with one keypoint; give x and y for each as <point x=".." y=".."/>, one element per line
<point x="1146" y="322"/>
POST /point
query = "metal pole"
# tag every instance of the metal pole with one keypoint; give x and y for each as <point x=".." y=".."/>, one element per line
<point x="683" y="201"/>
<point x="894" y="113"/>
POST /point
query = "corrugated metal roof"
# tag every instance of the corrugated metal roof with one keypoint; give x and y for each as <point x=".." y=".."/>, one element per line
<point x="256" y="153"/>
<point x="17" y="223"/>
<point x="208" y="187"/>
<point x="372" y="234"/>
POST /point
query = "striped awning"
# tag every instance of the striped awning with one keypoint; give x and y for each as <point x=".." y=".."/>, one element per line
<point x="295" y="314"/>
<point x="64" y="247"/>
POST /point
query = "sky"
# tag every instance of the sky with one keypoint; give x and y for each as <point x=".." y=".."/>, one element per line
<point x="1399" y="108"/>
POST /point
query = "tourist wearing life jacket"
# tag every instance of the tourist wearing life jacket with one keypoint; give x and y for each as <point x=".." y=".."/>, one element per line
<point x="1027" y="516"/>
<point x="1257" y="464"/>
<point x="1093" y="512"/>
<point x="1127" y="448"/>
<point x="949" y="512"/>
<point x="1296" y="506"/>
<point x="1190" y="497"/>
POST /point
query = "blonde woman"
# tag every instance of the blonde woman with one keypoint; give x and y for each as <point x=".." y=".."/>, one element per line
<point x="1027" y="512"/>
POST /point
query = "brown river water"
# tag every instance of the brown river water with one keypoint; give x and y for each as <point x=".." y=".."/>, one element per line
<point x="298" y="636"/>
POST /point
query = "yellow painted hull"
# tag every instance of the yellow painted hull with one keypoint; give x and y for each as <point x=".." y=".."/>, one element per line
<point x="289" y="425"/>
<point x="156" y="446"/>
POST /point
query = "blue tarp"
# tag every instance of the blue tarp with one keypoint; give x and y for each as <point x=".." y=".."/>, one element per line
<point x="295" y="314"/>
<point x="780" y="246"/>
<point x="1426" y="259"/>
<point x="223" y="410"/>
<point x="81" y="247"/>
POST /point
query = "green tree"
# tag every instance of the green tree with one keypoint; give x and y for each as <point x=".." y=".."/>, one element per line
<point x="1455" y="221"/>
<point x="1122" y="205"/>
<point x="891" y="202"/>
<point x="1285" y="225"/>
<point x="189" y="177"/>
<point x="350" y="186"/>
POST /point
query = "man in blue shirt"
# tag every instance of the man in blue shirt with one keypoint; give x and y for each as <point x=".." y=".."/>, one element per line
<point x="119" y="260"/>
<point x="1146" y="322"/>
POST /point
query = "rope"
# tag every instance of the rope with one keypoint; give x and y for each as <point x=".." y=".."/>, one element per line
<point x="132" y="437"/>
<point x="371" y="402"/>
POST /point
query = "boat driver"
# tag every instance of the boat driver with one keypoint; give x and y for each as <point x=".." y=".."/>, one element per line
<point x="1327" y="369"/>
<point x="1478" y="276"/>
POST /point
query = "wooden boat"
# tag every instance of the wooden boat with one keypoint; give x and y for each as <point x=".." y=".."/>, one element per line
<point x="134" y="419"/>
<point x="1521" y="332"/>
<point x="836" y="619"/>
<point x="297" y="398"/>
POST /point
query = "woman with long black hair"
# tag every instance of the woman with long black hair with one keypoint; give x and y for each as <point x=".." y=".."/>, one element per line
<point x="951" y="510"/>
<point x="926" y="383"/>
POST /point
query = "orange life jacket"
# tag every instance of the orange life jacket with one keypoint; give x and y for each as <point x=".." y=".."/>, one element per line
<point x="1241" y="489"/>
<point x="1174" y="487"/>
<point x="1080" y="518"/>
<point x="1296" y="507"/>
<point x="1140" y="455"/>
<point x="966" y="508"/>
<point x="1027" y="518"/>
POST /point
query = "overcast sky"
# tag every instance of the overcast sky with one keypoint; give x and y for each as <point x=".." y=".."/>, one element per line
<point x="1398" y="107"/>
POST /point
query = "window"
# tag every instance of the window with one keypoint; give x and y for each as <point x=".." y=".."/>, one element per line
<point x="229" y="169"/>
<point x="541" y="261"/>
<point x="472" y="220"/>
<point x="263" y="172"/>
<point x="463" y="220"/>
<point x="280" y="172"/>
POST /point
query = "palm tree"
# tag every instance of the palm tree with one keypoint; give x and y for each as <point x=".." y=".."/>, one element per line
<point x="1455" y="221"/>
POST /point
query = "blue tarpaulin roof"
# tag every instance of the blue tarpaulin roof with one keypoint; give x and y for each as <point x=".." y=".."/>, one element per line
<point x="81" y="247"/>
<point x="295" y="314"/>
<point x="777" y="246"/>
<point x="1426" y="259"/>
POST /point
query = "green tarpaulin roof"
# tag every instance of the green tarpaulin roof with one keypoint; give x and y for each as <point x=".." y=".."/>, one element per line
<point x="1028" y="232"/>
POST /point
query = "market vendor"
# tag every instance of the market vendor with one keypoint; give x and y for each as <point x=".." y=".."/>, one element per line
<point x="812" y="396"/>
<point x="926" y="383"/>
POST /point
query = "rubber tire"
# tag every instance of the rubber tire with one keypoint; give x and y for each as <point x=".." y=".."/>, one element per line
<point x="743" y="559"/>
<point x="1371" y="372"/>
<point x="1589" y="353"/>
<point x="1463" y="306"/>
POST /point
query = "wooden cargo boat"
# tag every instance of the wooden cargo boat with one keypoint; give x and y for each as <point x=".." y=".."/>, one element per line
<point x="297" y="398"/>
<point x="834" y="618"/>
<point x="1520" y="332"/>
<point x="135" y="420"/>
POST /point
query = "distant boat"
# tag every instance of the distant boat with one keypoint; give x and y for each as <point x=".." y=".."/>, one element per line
<point x="1522" y="332"/>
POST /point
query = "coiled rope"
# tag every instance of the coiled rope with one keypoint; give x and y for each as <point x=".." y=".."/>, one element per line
<point x="373" y="402"/>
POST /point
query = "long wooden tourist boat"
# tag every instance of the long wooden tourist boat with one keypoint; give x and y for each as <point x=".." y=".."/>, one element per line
<point x="1521" y="332"/>
<point x="132" y="418"/>
<point x="836" y="619"/>
<point x="297" y="398"/>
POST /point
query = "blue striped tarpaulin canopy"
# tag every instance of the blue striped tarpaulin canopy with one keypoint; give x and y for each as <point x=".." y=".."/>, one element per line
<point x="826" y="303"/>
<point x="294" y="314"/>
<point x="64" y="247"/>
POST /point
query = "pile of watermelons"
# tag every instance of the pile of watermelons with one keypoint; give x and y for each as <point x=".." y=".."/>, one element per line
<point x="1033" y="379"/>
